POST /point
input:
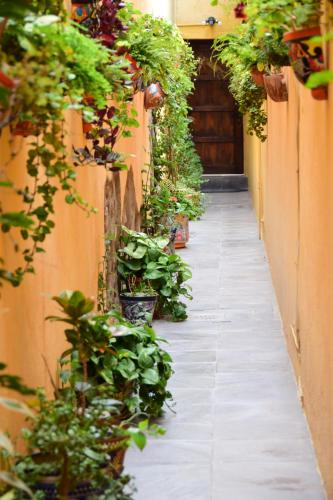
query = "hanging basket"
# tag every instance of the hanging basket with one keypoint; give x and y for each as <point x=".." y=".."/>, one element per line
<point x="154" y="96"/>
<point x="276" y="87"/>
<point x="306" y="56"/>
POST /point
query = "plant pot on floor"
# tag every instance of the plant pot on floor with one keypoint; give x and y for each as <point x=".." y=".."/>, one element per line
<point x="138" y="308"/>
<point x="181" y="225"/>
<point x="276" y="87"/>
<point x="306" y="56"/>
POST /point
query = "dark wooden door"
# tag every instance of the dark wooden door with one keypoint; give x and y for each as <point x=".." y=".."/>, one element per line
<point x="217" y="125"/>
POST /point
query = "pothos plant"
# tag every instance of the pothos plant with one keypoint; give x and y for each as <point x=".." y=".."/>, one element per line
<point x="111" y="357"/>
<point x="141" y="258"/>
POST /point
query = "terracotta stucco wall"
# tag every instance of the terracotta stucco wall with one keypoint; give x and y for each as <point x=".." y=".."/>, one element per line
<point x="297" y="210"/>
<point x="73" y="252"/>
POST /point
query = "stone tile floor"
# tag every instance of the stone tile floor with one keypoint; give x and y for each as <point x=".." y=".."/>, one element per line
<point x="239" y="432"/>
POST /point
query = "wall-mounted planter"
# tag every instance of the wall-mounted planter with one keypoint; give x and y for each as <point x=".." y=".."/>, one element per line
<point x="81" y="11"/>
<point x="154" y="96"/>
<point x="258" y="77"/>
<point x="306" y="56"/>
<point x="138" y="308"/>
<point x="276" y="87"/>
<point x="86" y="127"/>
<point x="25" y="129"/>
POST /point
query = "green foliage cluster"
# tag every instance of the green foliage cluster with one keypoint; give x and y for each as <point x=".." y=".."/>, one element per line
<point x="142" y="259"/>
<point x="112" y="357"/>
<point x="258" y="44"/>
<point x="46" y="60"/>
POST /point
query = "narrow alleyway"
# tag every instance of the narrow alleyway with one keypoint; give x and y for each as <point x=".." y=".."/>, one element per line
<point x="238" y="432"/>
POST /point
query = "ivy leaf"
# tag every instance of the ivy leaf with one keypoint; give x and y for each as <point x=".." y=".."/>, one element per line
<point x="16" y="219"/>
<point x="9" y="478"/>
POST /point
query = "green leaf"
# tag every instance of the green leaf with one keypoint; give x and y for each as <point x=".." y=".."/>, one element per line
<point x="6" y="443"/>
<point x="13" y="480"/>
<point x="150" y="376"/>
<point x="321" y="78"/>
<point x="145" y="361"/>
<point x="14" y="405"/>
<point x="139" y="438"/>
<point x="16" y="219"/>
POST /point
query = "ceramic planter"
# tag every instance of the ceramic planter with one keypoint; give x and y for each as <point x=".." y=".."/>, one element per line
<point x="181" y="225"/>
<point x="258" y="77"/>
<point x="86" y="127"/>
<point x="139" y="308"/>
<point x="276" y="87"/>
<point x="154" y="96"/>
<point x="48" y="488"/>
<point x="81" y="11"/>
<point x="306" y="56"/>
<point x="24" y="129"/>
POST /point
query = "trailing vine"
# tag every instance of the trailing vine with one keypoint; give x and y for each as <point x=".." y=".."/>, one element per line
<point x="44" y="60"/>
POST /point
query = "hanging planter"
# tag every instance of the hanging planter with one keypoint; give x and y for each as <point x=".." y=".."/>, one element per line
<point x="276" y="87"/>
<point x="138" y="308"/>
<point x="258" y="77"/>
<point x="81" y="11"/>
<point x="182" y="235"/>
<point x="86" y="127"/>
<point x="306" y="56"/>
<point x="154" y="96"/>
<point x="24" y="129"/>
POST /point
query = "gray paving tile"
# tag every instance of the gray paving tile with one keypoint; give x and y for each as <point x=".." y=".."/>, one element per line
<point x="237" y="431"/>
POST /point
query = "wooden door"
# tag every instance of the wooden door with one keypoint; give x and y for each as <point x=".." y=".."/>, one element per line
<point x="217" y="125"/>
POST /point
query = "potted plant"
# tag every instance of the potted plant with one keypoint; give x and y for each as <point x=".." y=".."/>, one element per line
<point x="305" y="45"/>
<point x="113" y="359"/>
<point x="138" y="304"/>
<point x="69" y="455"/>
<point x="276" y="86"/>
<point x="143" y="257"/>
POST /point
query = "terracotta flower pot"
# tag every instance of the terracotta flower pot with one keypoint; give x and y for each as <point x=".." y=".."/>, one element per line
<point x="306" y="56"/>
<point x="25" y="128"/>
<point x="154" y="96"/>
<point x="86" y="127"/>
<point x="276" y="87"/>
<point x="258" y="77"/>
<point x="182" y="230"/>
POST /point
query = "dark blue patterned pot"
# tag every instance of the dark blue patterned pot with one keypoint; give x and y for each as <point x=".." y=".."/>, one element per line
<point x="138" y="309"/>
<point x="83" y="491"/>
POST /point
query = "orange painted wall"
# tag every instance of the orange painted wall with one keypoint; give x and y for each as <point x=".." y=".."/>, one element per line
<point x="297" y="186"/>
<point x="73" y="253"/>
